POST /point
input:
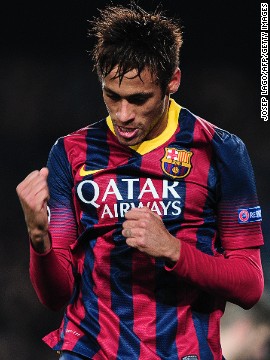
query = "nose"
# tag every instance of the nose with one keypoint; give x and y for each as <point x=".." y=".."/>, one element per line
<point x="125" y="112"/>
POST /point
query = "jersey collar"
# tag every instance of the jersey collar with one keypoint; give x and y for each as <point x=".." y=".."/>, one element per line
<point x="149" y="145"/>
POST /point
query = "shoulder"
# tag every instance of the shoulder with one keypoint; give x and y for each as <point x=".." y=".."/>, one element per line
<point x="204" y="130"/>
<point x="229" y="146"/>
<point x="91" y="129"/>
<point x="79" y="136"/>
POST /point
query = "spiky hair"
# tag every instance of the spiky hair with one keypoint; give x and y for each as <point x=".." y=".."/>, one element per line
<point x="131" y="38"/>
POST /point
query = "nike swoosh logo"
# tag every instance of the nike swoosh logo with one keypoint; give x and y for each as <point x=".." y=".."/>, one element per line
<point x="84" y="172"/>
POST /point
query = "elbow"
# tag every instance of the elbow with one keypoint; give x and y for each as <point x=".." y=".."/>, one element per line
<point x="50" y="298"/>
<point x="52" y="303"/>
<point x="252" y="293"/>
<point x="253" y="298"/>
<point x="53" y="296"/>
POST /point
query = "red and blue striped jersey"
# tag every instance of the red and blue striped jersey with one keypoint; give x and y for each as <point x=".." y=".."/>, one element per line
<point x="126" y="304"/>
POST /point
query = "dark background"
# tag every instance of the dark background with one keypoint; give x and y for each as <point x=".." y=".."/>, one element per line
<point x="48" y="89"/>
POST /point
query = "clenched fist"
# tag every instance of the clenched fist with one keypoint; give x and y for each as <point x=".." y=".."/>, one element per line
<point x="33" y="193"/>
<point x="145" y="231"/>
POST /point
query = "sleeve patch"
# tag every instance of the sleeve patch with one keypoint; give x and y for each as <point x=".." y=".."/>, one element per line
<point x="249" y="215"/>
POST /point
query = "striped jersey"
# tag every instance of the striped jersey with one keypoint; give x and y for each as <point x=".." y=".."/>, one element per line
<point x="127" y="305"/>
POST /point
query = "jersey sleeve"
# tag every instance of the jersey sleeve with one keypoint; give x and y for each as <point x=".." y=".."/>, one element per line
<point x="63" y="226"/>
<point x="238" y="211"/>
<point x="51" y="273"/>
<point x="236" y="275"/>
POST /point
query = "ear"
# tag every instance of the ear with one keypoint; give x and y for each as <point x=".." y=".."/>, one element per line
<point x="175" y="81"/>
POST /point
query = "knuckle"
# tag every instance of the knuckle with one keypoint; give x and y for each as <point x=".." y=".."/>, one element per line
<point x="142" y="224"/>
<point x="18" y="190"/>
<point x="141" y="242"/>
<point x="141" y="234"/>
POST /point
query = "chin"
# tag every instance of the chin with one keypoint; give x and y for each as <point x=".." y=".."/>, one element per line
<point x="129" y="142"/>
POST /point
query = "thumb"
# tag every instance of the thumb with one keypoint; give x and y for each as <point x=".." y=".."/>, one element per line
<point x="44" y="172"/>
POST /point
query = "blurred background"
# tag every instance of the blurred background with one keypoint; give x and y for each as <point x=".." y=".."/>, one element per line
<point x="48" y="89"/>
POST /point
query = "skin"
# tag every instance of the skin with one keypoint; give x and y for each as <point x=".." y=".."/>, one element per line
<point x="135" y="121"/>
<point x="139" y="112"/>
<point x="137" y="107"/>
<point x="145" y="231"/>
<point x="33" y="193"/>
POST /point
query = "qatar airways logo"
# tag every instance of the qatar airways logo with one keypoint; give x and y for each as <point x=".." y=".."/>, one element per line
<point x="115" y="199"/>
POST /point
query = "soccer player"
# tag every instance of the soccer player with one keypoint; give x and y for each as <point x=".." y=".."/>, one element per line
<point x="145" y="223"/>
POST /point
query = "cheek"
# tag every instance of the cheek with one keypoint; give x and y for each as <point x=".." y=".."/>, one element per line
<point x="107" y="104"/>
<point x="110" y="105"/>
<point x="154" y="114"/>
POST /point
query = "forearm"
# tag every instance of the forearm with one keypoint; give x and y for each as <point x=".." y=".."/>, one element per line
<point x="236" y="275"/>
<point x="52" y="277"/>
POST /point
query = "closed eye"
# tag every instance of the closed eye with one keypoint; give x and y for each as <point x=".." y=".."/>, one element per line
<point x="138" y="99"/>
<point x="113" y="96"/>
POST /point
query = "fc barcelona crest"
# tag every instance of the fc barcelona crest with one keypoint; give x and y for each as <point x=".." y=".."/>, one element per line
<point x="176" y="162"/>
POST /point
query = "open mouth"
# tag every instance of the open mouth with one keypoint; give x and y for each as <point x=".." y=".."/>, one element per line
<point x="127" y="133"/>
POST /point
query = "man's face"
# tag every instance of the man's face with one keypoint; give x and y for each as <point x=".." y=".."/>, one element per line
<point x="137" y="107"/>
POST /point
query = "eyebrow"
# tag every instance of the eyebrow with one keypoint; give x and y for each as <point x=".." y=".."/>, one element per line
<point x="144" y="95"/>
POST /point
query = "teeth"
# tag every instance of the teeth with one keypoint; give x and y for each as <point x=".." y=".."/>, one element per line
<point x="127" y="133"/>
<point x="126" y="130"/>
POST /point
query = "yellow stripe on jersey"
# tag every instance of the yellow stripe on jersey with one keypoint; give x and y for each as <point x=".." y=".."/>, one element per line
<point x="149" y="145"/>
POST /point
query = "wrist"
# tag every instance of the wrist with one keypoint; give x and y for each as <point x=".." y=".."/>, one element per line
<point x="40" y="240"/>
<point x="174" y="252"/>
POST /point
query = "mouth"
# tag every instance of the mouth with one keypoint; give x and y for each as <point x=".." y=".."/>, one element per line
<point x="127" y="133"/>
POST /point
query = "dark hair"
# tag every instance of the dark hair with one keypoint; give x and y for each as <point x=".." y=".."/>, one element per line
<point x="130" y="38"/>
